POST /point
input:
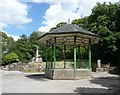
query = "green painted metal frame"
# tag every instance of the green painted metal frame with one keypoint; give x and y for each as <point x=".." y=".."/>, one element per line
<point x="46" y="55"/>
<point x="74" y="52"/>
<point x="64" y="56"/>
<point x="53" y="55"/>
<point x="89" y="54"/>
<point x="54" y="52"/>
<point x="79" y="56"/>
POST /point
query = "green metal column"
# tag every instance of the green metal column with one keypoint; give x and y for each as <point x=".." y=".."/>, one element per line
<point x="54" y="52"/>
<point x="64" y="56"/>
<point x="46" y="55"/>
<point x="75" y="52"/>
<point x="52" y="56"/>
<point x="79" y="56"/>
<point x="89" y="54"/>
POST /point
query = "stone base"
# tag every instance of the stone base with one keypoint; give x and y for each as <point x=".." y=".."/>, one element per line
<point x="67" y="74"/>
<point x="99" y="69"/>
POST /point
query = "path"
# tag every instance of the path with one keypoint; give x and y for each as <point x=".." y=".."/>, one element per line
<point x="19" y="82"/>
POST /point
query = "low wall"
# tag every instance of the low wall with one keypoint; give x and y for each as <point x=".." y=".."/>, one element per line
<point x="66" y="74"/>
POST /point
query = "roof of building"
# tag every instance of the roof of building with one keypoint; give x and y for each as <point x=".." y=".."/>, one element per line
<point x="69" y="30"/>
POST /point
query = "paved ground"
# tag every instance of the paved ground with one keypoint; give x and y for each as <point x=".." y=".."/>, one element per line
<point x="19" y="82"/>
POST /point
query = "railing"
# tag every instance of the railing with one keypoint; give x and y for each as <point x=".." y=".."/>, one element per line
<point x="81" y="64"/>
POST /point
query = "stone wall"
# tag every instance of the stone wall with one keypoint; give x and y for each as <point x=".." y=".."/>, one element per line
<point x="65" y="74"/>
<point x="27" y="67"/>
<point x="34" y="67"/>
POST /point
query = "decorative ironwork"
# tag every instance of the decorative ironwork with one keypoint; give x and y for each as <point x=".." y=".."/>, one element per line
<point x="64" y="40"/>
<point x="83" y="40"/>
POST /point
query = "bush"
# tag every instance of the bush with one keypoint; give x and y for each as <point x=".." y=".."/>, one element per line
<point x="10" y="57"/>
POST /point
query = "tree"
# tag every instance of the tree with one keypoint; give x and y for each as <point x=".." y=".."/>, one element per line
<point x="58" y="25"/>
<point x="106" y="17"/>
<point x="23" y="49"/>
<point x="7" y="42"/>
<point x="33" y="39"/>
<point x="4" y="41"/>
<point x="83" y="22"/>
<point x="0" y="48"/>
<point x="10" y="57"/>
<point x="104" y="21"/>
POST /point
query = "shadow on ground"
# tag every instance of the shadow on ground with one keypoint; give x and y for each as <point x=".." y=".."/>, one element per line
<point x="111" y="83"/>
<point x="38" y="77"/>
<point x="114" y="70"/>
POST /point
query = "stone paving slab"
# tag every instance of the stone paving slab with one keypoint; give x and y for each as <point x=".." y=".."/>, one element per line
<point x="19" y="82"/>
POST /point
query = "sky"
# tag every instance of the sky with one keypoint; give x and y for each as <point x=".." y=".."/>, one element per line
<point x="25" y="16"/>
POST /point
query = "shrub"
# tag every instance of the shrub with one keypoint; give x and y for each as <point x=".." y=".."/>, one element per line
<point x="10" y="57"/>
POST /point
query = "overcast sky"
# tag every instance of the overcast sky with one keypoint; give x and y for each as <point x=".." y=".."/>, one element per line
<point x="25" y="16"/>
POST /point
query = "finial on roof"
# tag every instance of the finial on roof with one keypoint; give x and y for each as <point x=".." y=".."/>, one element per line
<point x="68" y="21"/>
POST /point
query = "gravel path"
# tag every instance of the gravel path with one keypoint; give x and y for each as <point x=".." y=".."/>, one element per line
<point x="19" y="82"/>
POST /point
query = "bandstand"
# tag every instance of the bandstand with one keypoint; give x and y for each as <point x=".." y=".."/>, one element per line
<point x="66" y="36"/>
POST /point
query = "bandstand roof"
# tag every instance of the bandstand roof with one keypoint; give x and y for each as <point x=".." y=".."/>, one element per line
<point x="65" y="35"/>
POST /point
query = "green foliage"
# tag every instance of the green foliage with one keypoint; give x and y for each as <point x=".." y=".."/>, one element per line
<point x="23" y="49"/>
<point x="104" y="21"/>
<point x="4" y="41"/>
<point x="0" y="48"/>
<point x="58" y="25"/>
<point x="33" y="39"/>
<point x="83" y="22"/>
<point x="7" y="42"/>
<point x="10" y="57"/>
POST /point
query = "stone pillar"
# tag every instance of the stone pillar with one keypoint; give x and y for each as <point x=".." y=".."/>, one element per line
<point x="36" y="54"/>
<point x="99" y="63"/>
